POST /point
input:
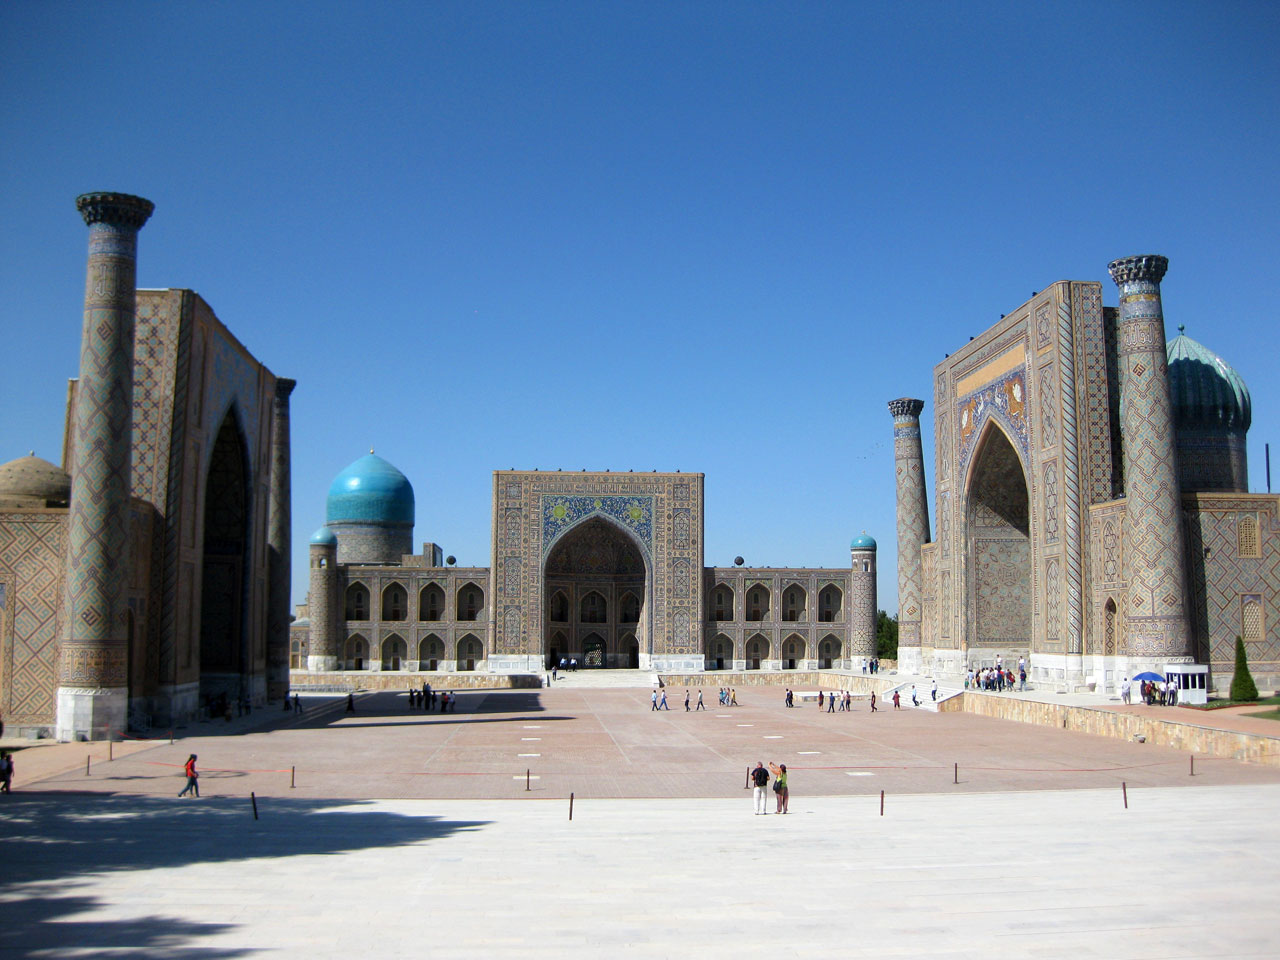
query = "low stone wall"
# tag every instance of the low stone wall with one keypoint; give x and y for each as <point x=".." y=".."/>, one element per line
<point x="856" y="684"/>
<point x="1173" y="732"/>
<point x="343" y="681"/>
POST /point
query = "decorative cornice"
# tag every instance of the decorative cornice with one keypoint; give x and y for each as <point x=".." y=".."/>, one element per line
<point x="284" y="387"/>
<point x="905" y="407"/>
<point x="116" y="209"/>
<point x="1149" y="267"/>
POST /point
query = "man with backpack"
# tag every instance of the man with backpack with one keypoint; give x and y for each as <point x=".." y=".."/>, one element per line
<point x="760" y="779"/>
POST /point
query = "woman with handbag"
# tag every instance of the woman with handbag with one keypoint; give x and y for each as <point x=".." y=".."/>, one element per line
<point x="780" y="786"/>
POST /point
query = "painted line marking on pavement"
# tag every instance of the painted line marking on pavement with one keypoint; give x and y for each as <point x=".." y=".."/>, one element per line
<point x="808" y="753"/>
<point x="724" y="714"/>
<point x="530" y="738"/>
<point x="858" y="773"/>
<point x="528" y="754"/>
<point x="773" y="736"/>
<point x="534" y="777"/>
<point x="536" y="726"/>
<point x="746" y="724"/>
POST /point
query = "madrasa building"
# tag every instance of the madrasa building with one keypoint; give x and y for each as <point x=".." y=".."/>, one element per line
<point x="602" y="568"/>
<point x="144" y="581"/>
<point x="1091" y="502"/>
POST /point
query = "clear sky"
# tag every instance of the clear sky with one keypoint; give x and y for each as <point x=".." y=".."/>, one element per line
<point x="710" y="237"/>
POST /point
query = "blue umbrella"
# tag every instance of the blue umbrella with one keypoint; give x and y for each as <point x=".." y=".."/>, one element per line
<point x="1148" y="676"/>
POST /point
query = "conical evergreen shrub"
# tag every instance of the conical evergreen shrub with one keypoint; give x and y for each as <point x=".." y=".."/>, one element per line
<point x="1242" y="685"/>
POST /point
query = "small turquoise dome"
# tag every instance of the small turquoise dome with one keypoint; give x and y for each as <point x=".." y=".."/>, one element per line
<point x="324" y="538"/>
<point x="1206" y="392"/>
<point x="863" y="542"/>
<point x="370" y="491"/>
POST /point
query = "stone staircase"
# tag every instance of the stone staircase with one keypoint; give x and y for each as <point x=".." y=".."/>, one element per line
<point x="605" y="679"/>
<point x="922" y="684"/>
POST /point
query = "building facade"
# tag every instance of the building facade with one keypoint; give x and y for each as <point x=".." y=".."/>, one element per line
<point x="1091" y="502"/>
<point x="138" y="580"/>
<point x="605" y="569"/>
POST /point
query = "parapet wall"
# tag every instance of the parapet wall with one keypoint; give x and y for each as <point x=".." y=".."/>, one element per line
<point x="1176" y="733"/>
<point x="377" y="680"/>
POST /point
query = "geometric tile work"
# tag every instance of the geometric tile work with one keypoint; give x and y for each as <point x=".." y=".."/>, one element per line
<point x="913" y="516"/>
<point x="93" y="653"/>
<point x="1156" y="620"/>
<point x="31" y="551"/>
<point x="1070" y="352"/>
<point x="1095" y="440"/>
<point x="1219" y="579"/>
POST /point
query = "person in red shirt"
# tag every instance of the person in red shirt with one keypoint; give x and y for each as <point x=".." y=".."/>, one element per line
<point x="192" y="777"/>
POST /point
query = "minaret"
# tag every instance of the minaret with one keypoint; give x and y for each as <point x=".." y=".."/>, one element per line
<point x="279" y="541"/>
<point x="862" y="600"/>
<point x="93" y="682"/>
<point x="1156" y="622"/>
<point x="322" y="602"/>
<point x="913" y="528"/>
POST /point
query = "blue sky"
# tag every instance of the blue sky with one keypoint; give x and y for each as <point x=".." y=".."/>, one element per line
<point x="711" y="237"/>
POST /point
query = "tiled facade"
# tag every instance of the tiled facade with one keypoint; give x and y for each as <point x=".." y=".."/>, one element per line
<point x="1062" y="534"/>
<point x="605" y="568"/>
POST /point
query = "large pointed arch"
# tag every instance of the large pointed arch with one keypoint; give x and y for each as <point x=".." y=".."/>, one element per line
<point x="597" y="554"/>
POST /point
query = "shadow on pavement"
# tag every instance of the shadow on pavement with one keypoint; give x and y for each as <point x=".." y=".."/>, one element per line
<point x="50" y="840"/>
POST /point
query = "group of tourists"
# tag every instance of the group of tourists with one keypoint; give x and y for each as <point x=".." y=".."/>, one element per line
<point x="871" y="665"/>
<point x="427" y="699"/>
<point x="760" y="783"/>
<point x="1152" y="692"/>
<point x="996" y="679"/>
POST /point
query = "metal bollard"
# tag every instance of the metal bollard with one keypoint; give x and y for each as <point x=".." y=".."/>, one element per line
<point x="571" y="806"/>
<point x="1193" y="765"/>
<point x="1124" y="789"/>
<point x="882" y="803"/>
<point x="957" y="778"/>
<point x="293" y="773"/>
<point x="86" y="766"/>
<point x="526" y="780"/>
<point x="111" y="750"/>
<point x="255" y="804"/>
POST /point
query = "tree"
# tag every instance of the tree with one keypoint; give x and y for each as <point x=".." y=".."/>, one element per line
<point x="1242" y="685"/>
<point x="886" y="636"/>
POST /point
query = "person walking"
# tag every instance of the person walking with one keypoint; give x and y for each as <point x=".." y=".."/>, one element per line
<point x="915" y="697"/>
<point x="933" y="691"/>
<point x="686" y="701"/>
<point x="780" y="791"/>
<point x="192" y="777"/>
<point x="700" y="706"/>
<point x="733" y="696"/>
<point x="897" y="700"/>
<point x="6" y="771"/>
<point x="297" y="705"/>
<point x="351" y="703"/>
<point x="760" y="778"/>
<point x="873" y="701"/>
<point x="831" y="701"/>
<point x="653" y="701"/>
<point x="663" y="704"/>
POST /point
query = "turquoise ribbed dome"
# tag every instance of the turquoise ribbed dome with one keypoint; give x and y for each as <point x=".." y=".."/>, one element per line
<point x="324" y="538"/>
<point x="863" y="542"/>
<point x="370" y="491"/>
<point x="1205" y="390"/>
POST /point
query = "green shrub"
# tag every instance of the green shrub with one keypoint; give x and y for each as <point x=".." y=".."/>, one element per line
<point x="1242" y="685"/>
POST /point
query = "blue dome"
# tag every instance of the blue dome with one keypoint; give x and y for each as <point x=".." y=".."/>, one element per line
<point x="324" y="538"/>
<point x="863" y="542"/>
<point x="370" y="491"/>
<point x="1204" y="389"/>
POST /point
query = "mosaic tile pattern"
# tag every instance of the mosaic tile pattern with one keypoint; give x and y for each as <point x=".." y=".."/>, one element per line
<point x="913" y="516"/>
<point x="31" y="552"/>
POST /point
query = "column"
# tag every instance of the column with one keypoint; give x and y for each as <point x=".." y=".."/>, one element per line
<point x="93" y="658"/>
<point x="913" y="529"/>
<point x="279" y="520"/>
<point x="1154" y="555"/>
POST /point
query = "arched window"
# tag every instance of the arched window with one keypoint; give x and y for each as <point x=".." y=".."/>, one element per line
<point x="1251" y="626"/>
<point x="1247" y="543"/>
<point x="357" y="602"/>
<point x="830" y="602"/>
<point x="395" y="603"/>
<point x="758" y="603"/>
<point x="828" y="652"/>
<point x="469" y="652"/>
<point x="594" y="609"/>
<point x="431" y="603"/>
<point x="630" y="608"/>
<point x="722" y="602"/>
<point x="793" y="603"/>
<point x="430" y="652"/>
<point x="719" y="653"/>
<point x="793" y="651"/>
<point x="295" y="655"/>
<point x="355" y="652"/>
<point x="470" y="602"/>
<point x="393" y="653"/>
<point x="559" y="607"/>
<point x="757" y="651"/>
<point x="1109" y="628"/>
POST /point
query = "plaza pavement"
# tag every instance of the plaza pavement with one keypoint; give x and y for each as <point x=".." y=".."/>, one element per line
<point x="411" y="834"/>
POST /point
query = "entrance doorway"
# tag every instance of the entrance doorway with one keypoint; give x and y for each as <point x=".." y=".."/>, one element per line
<point x="595" y="598"/>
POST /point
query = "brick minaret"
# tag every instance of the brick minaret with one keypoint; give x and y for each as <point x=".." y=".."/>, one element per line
<point x="93" y="660"/>
<point x="279" y="541"/>
<point x="1156" y="622"/>
<point x="913" y="528"/>
<point x="862" y="602"/>
<point x="324" y="604"/>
